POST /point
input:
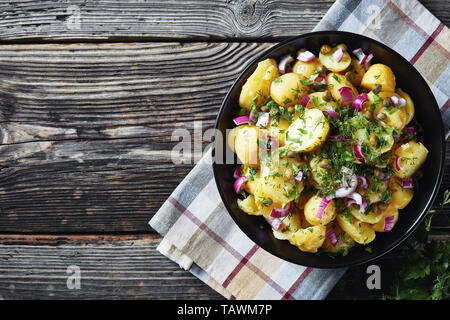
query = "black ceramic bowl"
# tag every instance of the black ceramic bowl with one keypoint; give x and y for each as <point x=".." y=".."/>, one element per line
<point x="427" y="113"/>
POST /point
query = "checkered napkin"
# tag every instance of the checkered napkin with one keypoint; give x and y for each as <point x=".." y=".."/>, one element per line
<point x="201" y="236"/>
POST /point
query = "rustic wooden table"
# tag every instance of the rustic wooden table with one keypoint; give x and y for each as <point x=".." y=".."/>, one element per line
<point x="90" y="93"/>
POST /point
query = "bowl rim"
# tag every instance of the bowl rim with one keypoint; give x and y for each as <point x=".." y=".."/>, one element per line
<point x="437" y="183"/>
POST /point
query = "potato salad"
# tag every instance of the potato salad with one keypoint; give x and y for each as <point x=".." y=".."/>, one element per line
<point x="328" y="148"/>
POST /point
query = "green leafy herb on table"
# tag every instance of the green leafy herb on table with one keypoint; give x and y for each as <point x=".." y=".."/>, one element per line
<point x="424" y="273"/>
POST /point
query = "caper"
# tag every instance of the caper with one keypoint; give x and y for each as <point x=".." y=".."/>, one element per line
<point x="382" y="206"/>
<point x="381" y="116"/>
<point x="378" y="174"/>
<point x="264" y="108"/>
<point x="350" y="75"/>
<point x="267" y="202"/>
<point x="325" y="49"/>
<point x="327" y="96"/>
<point x="325" y="164"/>
<point x="387" y="102"/>
<point x="322" y="69"/>
<point x="291" y="110"/>
<point x="376" y="88"/>
<point x="291" y="154"/>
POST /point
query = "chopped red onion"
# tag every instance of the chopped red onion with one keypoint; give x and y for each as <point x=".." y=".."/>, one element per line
<point x="299" y="176"/>
<point x="241" y="120"/>
<point x="389" y="223"/>
<point x="359" y="200"/>
<point x="346" y="94"/>
<point x="322" y="206"/>
<point x="306" y="56"/>
<point x="360" y="55"/>
<point x="263" y="119"/>
<point x="386" y="179"/>
<point x="284" y="63"/>
<point x="394" y="100"/>
<point x="339" y="138"/>
<point x="276" y="223"/>
<point x="305" y="101"/>
<point x="313" y="78"/>
<point x="411" y="131"/>
<point x="338" y="54"/>
<point x="358" y="103"/>
<point x="238" y="172"/>
<point x="281" y="212"/>
<point x="358" y="153"/>
<point x="397" y="163"/>
<point x="347" y="187"/>
<point x="331" y="112"/>
<point x="332" y="237"/>
<point x="364" y="183"/>
<point x="408" y="183"/>
<point x="238" y="184"/>
<point x="273" y="143"/>
<point x="367" y="61"/>
<point x="251" y="118"/>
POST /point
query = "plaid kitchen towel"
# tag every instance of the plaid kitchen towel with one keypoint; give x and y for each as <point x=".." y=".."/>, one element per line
<point x="201" y="236"/>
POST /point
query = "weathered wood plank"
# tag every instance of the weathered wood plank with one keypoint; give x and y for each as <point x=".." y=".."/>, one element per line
<point x="268" y="20"/>
<point x="119" y="267"/>
<point x="156" y="20"/>
<point x="86" y="129"/>
<point x="111" y="267"/>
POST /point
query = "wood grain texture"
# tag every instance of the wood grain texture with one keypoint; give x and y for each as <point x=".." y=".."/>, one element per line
<point x="111" y="267"/>
<point x="86" y="129"/>
<point x="158" y="20"/>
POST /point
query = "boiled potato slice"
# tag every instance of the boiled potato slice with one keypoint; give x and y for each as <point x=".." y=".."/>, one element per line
<point x="258" y="84"/>
<point x="246" y="144"/>
<point x="276" y="184"/>
<point x="248" y="205"/>
<point x="279" y="131"/>
<point x="319" y="173"/>
<point x="379" y="226"/>
<point x="291" y="224"/>
<point x="317" y="101"/>
<point x="400" y="196"/>
<point x="409" y="107"/>
<point x="372" y="217"/>
<point x="359" y="231"/>
<point x="344" y="244"/>
<point x="251" y="186"/>
<point x="372" y="196"/>
<point x="231" y="139"/>
<point x="355" y="72"/>
<point x="390" y="116"/>
<point x="379" y="74"/>
<point x="413" y="155"/>
<point x="330" y="62"/>
<point x="288" y="89"/>
<point x="311" y="208"/>
<point x="337" y="81"/>
<point x="306" y="69"/>
<point x="309" y="239"/>
<point x="307" y="132"/>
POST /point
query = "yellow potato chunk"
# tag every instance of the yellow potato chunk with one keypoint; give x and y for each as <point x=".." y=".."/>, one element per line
<point x="317" y="101"/>
<point x="248" y="205"/>
<point x="312" y="207"/>
<point x="371" y="217"/>
<point x="400" y="196"/>
<point x="413" y="155"/>
<point x="359" y="231"/>
<point x="258" y="84"/>
<point x="246" y="144"/>
<point x="332" y="64"/>
<point x="379" y="74"/>
<point x="291" y="224"/>
<point x="379" y="226"/>
<point x="307" y="132"/>
<point x="391" y="115"/>
<point x="277" y="181"/>
<point x="409" y="107"/>
<point x="306" y="69"/>
<point x="288" y="89"/>
<point x="355" y="72"/>
<point x="344" y="244"/>
<point x="309" y="239"/>
<point x="336" y="82"/>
